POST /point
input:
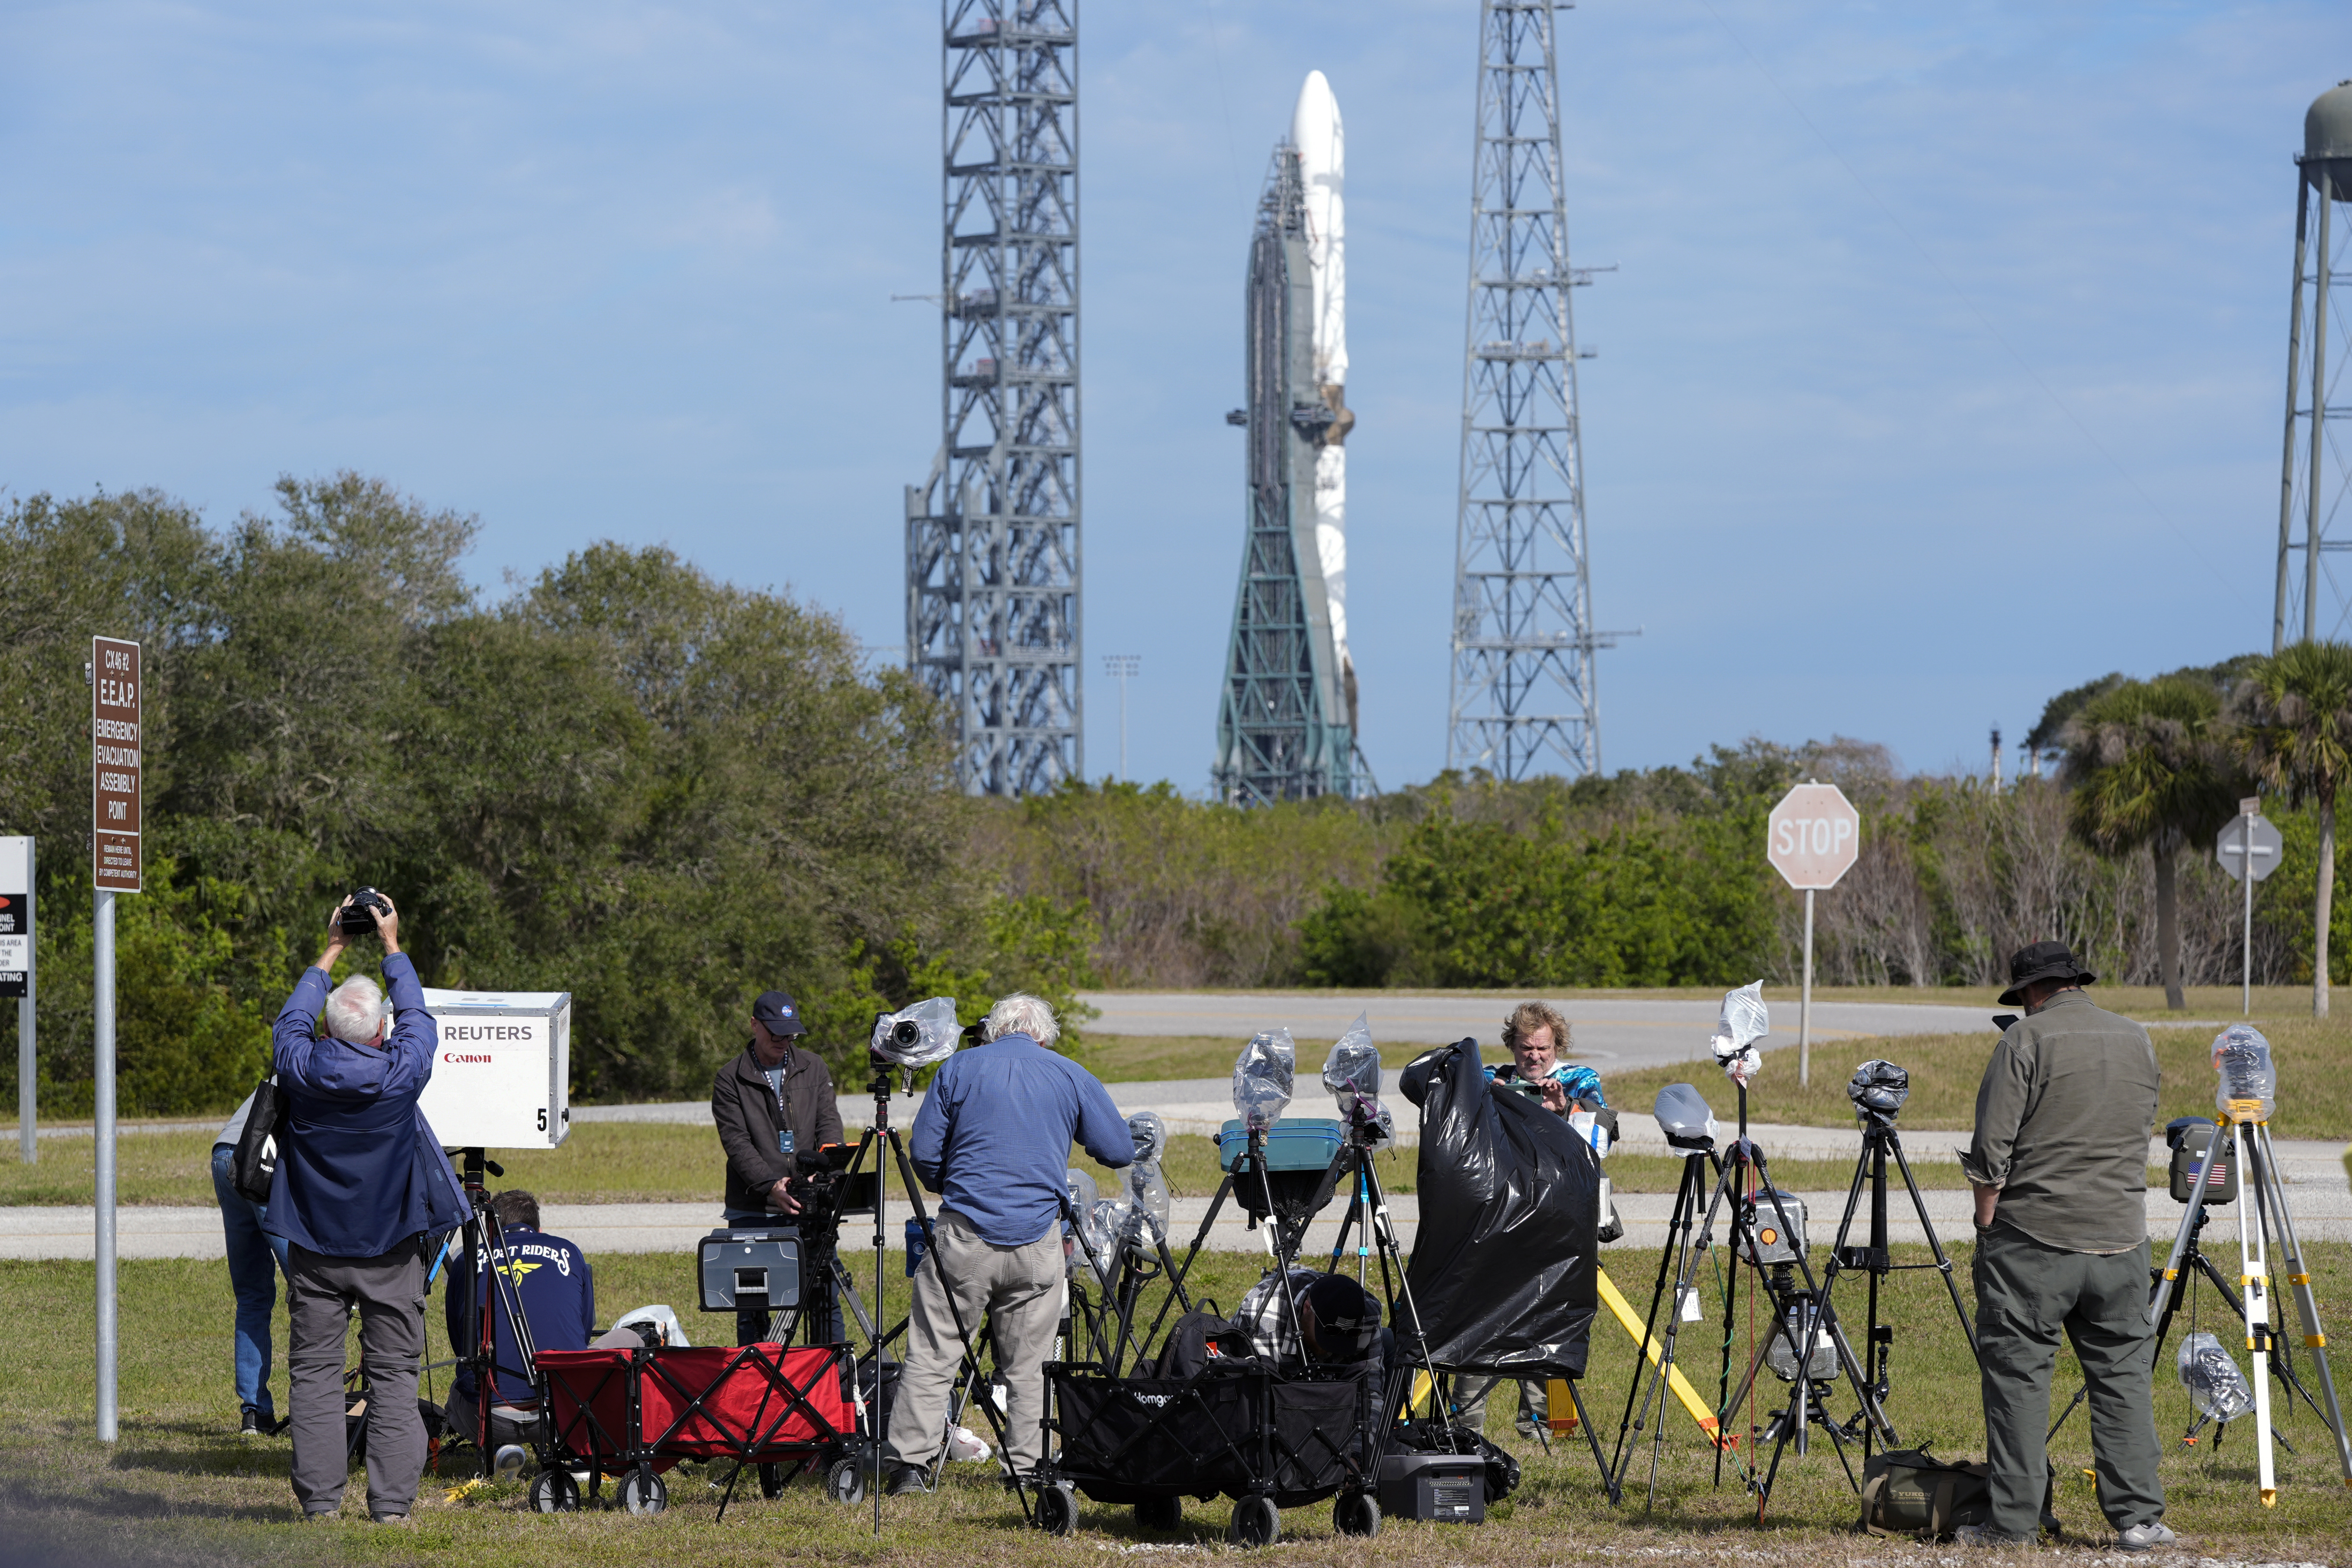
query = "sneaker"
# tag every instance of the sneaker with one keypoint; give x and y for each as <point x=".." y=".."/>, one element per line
<point x="2145" y="1537"/>
<point x="905" y="1479"/>
<point x="319" y="1516"/>
<point x="1985" y="1537"/>
<point x="399" y="1519"/>
<point x="250" y="1424"/>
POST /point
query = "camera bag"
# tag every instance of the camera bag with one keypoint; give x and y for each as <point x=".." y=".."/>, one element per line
<point x="256" y="1161"/>
<point x="1908" y="1492"/>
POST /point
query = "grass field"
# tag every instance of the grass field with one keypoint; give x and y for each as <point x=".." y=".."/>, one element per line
<point x="178" y="1488"/>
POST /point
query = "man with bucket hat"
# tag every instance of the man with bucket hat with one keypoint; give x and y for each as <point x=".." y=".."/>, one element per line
<point x="2059" y="1165"/>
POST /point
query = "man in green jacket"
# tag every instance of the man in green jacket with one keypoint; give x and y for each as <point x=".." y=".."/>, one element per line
<point x="2059" y="1164"/>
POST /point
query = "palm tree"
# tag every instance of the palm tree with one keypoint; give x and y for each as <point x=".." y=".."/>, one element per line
<point x="2295" y="730"/>
<point x="2149" y="767"/>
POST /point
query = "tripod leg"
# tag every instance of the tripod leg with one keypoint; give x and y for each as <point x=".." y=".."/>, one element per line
<point x="1607" y="1481"/>
<point x="2255" y="1271"/>
<point x="1669" y="1261"/>
<point x="1935" y="1244"/>
<point x="2307" y="1309"/>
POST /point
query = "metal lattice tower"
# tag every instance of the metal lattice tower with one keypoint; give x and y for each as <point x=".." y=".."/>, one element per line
<point x="992" y="613"/>
<point x="2315" y="478"/>
<point x="1283" y="725"/>
<point x="1523" y="639"/>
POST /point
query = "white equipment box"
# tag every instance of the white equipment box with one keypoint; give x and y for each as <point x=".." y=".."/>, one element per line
<point x="502" y="1073"/>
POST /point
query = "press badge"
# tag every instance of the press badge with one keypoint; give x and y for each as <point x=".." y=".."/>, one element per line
<point x="784" y="1141"/>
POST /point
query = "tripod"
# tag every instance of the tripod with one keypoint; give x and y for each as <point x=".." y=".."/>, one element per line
<point x="1879" y="1141"/>
<point x="1756" y="1242"/>
<point x="491" y="1288"/>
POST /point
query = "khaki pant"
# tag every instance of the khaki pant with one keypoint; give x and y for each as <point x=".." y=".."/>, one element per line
<point x="1017" y="1293"/>
<point x="1470" y="1403"/>
<point x="388" y="1293"/>
<point x="2027" y="1295"/>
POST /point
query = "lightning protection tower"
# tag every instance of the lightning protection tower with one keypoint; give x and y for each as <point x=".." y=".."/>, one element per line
<point x="2314" y="481"/>
<point x="1522" y="698"/>
<point x="1284" y="726"/>
<point x="993" y="614"/>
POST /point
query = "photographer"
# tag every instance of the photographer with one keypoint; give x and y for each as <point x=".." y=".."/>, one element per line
<point x="1535" y="1035"/>
<point x="771" y="1104"/>
<point x="1337" y="1319"/>
<point x="993" y="1137"/>
<point x="362" y="1185"/>
<point x="2059" y="1164"/>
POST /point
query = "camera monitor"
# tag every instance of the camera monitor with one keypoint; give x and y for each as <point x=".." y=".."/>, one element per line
<point x="750" y="1271"/>
<point x="503" y="1076"/>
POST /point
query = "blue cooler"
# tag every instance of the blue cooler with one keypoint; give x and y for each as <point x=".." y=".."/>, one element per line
<point x="1293" y="1143"/>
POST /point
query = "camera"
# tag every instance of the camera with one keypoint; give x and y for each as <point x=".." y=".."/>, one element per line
<point x="1878" y="1091"/>
<point x="919" y="1035"/>
<point x="355" y="919"/>
<point x="1683" y="1117"/>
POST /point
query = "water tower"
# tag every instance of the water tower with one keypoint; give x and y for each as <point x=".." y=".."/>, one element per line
<point x="2310" y="601"/>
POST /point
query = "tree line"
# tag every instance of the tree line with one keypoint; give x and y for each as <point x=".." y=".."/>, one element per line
<point x="665" y="795"/>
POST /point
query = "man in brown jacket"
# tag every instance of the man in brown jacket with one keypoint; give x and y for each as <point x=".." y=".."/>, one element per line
<point x="773" y="1104"/>
<point x="2059" y="1163"/>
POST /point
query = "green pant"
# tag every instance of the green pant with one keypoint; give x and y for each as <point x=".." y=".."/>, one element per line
<point x="1470" y="1403"/>
<point x="2026" y="1294"/>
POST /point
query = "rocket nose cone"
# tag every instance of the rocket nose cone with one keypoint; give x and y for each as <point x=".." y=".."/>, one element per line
<point x="1314" y="125"/>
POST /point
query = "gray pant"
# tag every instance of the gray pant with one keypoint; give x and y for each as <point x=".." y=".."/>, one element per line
<point x="389" y="1294"/>
<point x="1017" y="1291"/>
<point x="1470" y="1402"/>
<point x="2027" y="1294"/>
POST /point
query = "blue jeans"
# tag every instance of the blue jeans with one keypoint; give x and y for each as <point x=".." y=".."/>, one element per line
<point x="254" y="1259"/>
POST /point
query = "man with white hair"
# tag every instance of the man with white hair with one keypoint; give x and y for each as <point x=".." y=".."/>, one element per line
<point x="361" y="1189"/>
<point x="993" y="1138"/>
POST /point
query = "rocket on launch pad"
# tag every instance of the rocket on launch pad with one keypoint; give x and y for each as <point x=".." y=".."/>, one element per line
<point x="1286" y="717"/>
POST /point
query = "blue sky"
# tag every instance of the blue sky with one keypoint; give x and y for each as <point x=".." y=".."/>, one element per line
<point x="1942" y="371"/>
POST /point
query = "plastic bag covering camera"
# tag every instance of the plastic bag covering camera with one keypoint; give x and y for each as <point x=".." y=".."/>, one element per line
<point x="1879" y="1087"/>
<point x="1503" y="1274"/>
<point x="2211" y="1375"/>
<point x="1083" y="1195"/>
<point x="1742" y="1023"/>
<point x="1103" y="1224"/>
<point x="1685" y="1117"/>
<point x="1146" y="1225"/>
<point x="1353" y="1073"/>
<point x="1261" y="1077"/>
<point x="936" y="1034"/>
<point x="2242" y="1058"/>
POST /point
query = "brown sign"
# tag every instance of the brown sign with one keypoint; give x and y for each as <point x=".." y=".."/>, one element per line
<point x="116" y="742"/>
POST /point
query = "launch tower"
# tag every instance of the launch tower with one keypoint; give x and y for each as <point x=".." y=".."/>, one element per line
<point x="1523" y="698"/>
<point x="992" y="618"/>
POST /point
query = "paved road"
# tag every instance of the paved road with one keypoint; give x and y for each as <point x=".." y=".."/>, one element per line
<point x="1619" y="1031"/>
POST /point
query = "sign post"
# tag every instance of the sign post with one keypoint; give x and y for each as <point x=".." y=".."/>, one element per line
<point x="16" y="979"/>
<point x="2253" y="842"/>
<point x="1811" y="838"/>
<point x="116" y="690"/>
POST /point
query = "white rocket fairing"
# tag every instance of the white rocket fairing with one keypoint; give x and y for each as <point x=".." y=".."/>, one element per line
<point x="1316" y="132"/>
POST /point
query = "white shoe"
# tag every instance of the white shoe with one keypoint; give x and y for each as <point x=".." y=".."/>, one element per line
<point x="2145" y="1537"/>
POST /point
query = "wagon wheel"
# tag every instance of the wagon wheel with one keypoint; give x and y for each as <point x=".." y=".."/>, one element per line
<point x="1162" y="1514"/>
<point x="845" y="1481"/>
<point x="1256" y="1522"/>
<point x="1356" y="1513"/>
<point x="642" y="1491"/>
<point x="554" y="1491"/>
<point x="1057" y="1508"/>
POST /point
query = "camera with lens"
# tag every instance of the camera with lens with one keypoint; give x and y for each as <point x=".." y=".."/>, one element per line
<point x="1878" y="1091"/>
<point x="916" y="1037"/>
<point x="354" y="919"/>
<point x="826" y="1191"/>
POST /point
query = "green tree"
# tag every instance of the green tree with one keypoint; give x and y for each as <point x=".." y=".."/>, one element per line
<point x="2151" y="768"/>
<point x="2294" y="729"/>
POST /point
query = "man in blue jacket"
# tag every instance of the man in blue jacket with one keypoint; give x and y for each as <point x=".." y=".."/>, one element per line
<point x="993" y="1137"/>
<point x="361" y="1189"/>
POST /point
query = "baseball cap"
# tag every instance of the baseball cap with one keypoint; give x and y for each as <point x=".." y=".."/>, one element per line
<point x="1347" y="1316"/>
<point x="780" y="1012"/>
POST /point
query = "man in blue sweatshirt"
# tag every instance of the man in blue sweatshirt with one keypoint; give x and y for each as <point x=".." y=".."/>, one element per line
<point x="361" y="1188"/>
<point x="993" y="1138"/>
<point x="551" y="1279"/>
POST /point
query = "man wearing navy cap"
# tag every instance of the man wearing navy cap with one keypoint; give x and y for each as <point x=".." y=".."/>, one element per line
<point x="773" y="1104"/>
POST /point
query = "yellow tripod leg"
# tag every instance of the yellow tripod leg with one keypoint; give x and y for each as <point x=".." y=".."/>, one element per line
<point x="1633" y="1327"/>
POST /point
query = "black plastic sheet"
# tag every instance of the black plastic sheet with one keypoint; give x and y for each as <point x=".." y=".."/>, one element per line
<point x="1502" y="1270"/>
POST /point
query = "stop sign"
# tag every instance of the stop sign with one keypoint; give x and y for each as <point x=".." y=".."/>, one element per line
<point x="1814" y="836"/>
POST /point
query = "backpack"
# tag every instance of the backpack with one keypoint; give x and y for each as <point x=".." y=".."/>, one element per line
<point x="1910" y="1493"/>
<point x="1203" y="1341"/>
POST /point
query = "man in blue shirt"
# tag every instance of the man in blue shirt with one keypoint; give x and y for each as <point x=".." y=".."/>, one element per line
<point x="362" y="1185"/>
<point x="551" y="1279"/>
<point x="993" y="1138"/>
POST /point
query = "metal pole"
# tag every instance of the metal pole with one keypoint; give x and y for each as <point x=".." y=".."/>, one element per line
<point x="1122" y="724"/>
<point x="102" y="996"/>
<point x="2318" y="407"/>
<point x="2294" y="369"/>
<point x="2246" y="866"/>
<point x="1805" y="1005"/>
<point x="29" y="1059"/>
